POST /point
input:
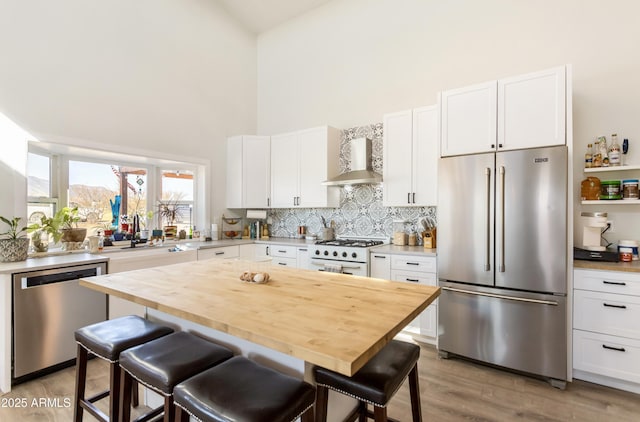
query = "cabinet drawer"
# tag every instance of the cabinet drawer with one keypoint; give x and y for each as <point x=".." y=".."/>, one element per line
<point x="617" y="315"/>
<point x="284" y="262"/>
<point x="220" y="253"/>
<point x="283" y="251"/>
<point x="607" y="281"/>
<point x="413" y="263"/>
<point x="611" y="356"/>
<point x="429" y="279"/>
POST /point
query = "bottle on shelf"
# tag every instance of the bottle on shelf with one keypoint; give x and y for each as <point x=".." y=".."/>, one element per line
<point x="604" y="151"/>
<point x="588" y="157"/>
<point x="597" y="156"/>
<point x="615" y="158"/>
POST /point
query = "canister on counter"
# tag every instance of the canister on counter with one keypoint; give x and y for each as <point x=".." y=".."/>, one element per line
<point x="629" y="244"/>
<point x="630" y="189"/>
<point x="626" y="254"/>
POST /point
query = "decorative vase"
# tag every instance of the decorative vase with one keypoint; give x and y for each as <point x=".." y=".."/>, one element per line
<point x="12" y="250"/>
<point x="40" y="241"/>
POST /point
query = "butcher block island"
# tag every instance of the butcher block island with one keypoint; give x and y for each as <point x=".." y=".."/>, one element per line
<point x="336" y="321"/>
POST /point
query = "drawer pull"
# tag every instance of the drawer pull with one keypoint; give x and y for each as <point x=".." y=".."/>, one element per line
<point x="617" y="349"/>
<point x="380" y="256"/>
<point x="281" y="251"/>
<point x="415" y="280"/>
<point x="282" y="263"/>
<point x="219" y="253"/>
<point x="616" y="283"/>
<point x="608" y="305"/>
<point x="413" y="263"/>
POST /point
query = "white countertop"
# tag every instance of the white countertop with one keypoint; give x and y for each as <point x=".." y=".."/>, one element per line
<point x="55" y="261"/>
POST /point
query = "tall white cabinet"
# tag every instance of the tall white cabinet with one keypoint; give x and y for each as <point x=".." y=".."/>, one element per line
<point x="410" y="149"/>
<point x="248" y="172"/>
<point x="524" y="111"/>
<point x="300" y="162"/>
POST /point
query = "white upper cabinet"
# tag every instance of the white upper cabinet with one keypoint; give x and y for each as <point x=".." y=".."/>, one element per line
<point x="531" y="110"/>
<point x="248" y="172"/>
<point x="410" y="164"/>
<point x="469" y="119"/>
<point x="300" y="162"/>
<point x="525" y="111"/>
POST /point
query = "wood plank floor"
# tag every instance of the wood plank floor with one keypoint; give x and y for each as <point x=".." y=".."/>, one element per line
<point x="451" y="390"/>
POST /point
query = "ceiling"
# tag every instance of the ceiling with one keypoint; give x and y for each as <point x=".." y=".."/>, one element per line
<point x="262" y="15"/>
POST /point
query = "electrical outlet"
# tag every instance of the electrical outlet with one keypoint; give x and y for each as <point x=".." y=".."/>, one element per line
<point x="611" y="227"/>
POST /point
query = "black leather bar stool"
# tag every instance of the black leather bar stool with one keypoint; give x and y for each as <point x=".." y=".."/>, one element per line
<point x="242" y="390"/>
<point x="162" y="363"/>
<point x="107" y="340"/>
<point x="375" y="383"/>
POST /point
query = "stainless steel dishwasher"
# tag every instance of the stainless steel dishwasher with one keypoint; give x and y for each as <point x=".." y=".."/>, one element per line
<point x="48" y="306"/>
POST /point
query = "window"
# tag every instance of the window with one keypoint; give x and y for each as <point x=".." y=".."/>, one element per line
<point x="93" y="188"/>
<point x="41" y="201"/>
<point x="90" y="179"/>
<point x="177" y="186"/>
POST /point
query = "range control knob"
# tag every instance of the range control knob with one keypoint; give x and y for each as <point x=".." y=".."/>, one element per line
<point x="335" y="253"/>
<point x="317" y="252"/>
<point x="326" y="253"/>
<point x="344" y="254"/>
<point x="354" y="255"/>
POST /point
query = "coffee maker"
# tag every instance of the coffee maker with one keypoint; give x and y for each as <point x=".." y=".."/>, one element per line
<point x="593" y="225"/>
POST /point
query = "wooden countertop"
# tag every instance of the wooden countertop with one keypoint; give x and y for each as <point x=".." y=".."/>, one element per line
<point x="336" y="321"/>
<point x="629" y="267"/>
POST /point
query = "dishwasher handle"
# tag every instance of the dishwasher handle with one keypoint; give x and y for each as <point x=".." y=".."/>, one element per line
<point x="37" y="280"/>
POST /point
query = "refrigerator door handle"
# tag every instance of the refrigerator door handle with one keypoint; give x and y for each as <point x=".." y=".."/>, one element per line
<point x="502" y="201"/>
<point x="493" y="295"/>
<point x="487" y="259"/>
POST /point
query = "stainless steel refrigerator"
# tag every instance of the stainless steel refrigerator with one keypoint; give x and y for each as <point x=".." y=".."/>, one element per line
<point x="502" y="259"/>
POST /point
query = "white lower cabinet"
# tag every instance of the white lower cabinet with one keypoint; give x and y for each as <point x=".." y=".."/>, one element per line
<point x="411" y="269"/>
<point x="303" y="258"/>
<point x="606" y="328"/>
<point x="284" y="256"/>
<point x="137" y="260"/>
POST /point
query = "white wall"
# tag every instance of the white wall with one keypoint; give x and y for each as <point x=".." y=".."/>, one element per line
<point x="158" y="75"/>
<point x="350" y="61"/>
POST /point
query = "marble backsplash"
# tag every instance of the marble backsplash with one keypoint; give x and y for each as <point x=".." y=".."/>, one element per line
<point x="361" y="213"/>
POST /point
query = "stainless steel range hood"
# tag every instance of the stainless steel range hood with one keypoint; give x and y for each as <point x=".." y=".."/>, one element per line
<point x="361" y="168"/>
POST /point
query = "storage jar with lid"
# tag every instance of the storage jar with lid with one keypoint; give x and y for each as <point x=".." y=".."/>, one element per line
<point x="610" y="189"/>
<point x="629" y="244"/>
<point x="630" y="189"/>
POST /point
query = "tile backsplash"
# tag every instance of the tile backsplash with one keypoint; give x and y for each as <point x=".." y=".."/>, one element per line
<point x="361" y="213"/>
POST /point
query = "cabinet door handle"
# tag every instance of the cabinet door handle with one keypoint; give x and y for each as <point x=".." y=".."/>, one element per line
<point x="408" y="197"/>
<point x="414" y="197"/>
<point x="414" y="280"/>
<point x="617" y="349"/>
<point x="267" y="250"/>
<point x="268" y="202"/>
<point x="608" y="305"/>
<point x="615" y="283"/>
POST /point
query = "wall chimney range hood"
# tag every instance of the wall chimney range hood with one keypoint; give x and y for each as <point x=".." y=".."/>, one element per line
<point x="361" y="168"/>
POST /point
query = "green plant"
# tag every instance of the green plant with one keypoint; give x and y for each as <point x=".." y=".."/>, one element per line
<point x="14" y="231"/>
<point x="68" y="217"/>
<point x="49" y="225"/>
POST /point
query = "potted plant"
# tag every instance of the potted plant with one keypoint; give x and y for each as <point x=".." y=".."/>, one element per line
<point x="169" y="210"/>
<point x="14" y="246"/>
<point x="69" y="218"/>
<point x="40" y="232"/>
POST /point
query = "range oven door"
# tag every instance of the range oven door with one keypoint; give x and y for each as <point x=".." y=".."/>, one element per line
<point x="342" y="267"/>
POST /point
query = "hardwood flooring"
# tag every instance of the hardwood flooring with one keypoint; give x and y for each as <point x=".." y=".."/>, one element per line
<point x="451" y="390"/>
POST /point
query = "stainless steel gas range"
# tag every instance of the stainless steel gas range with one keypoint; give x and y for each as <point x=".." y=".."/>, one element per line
<point x="346" y="256"/>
